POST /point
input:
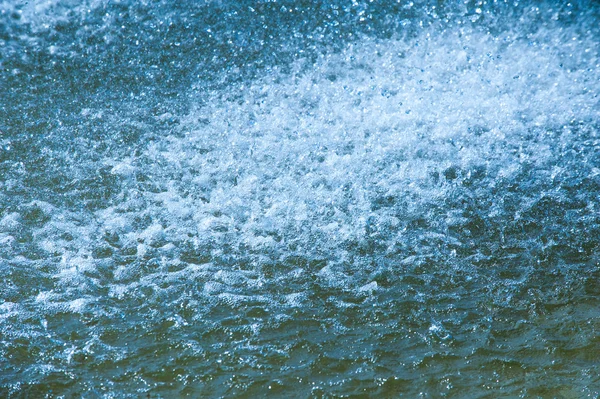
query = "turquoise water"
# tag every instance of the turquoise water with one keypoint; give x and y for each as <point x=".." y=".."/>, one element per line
<point x="299" y="199"/>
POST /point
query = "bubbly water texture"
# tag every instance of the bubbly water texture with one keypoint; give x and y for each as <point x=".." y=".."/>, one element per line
<point x="352" y="202"/>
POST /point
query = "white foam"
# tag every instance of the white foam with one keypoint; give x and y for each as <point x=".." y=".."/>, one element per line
<point x="10" y="222"/>
<point x="369" y="288"/>
<point x="328" y="161"/>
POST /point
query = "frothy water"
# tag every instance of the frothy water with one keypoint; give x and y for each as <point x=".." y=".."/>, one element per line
<point x="364" y="199"/>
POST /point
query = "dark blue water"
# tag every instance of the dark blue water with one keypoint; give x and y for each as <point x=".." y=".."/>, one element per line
<point x="299" y="199"/>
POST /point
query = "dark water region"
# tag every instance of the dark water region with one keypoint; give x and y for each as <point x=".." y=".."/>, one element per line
<point x="299" y="199"/>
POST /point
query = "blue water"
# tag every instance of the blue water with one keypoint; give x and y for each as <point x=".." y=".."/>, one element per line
<point x="299" y="199"/>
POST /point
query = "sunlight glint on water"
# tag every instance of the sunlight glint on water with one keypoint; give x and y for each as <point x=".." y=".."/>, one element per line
<point x="405" y="215"/>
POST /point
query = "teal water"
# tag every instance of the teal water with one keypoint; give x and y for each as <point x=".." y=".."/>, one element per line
<point x="299" y="199"/>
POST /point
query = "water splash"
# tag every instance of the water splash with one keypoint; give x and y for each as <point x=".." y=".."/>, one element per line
<point x="388" y="209"/>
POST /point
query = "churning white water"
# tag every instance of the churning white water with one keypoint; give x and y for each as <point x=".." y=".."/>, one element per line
<point x="407" y="214"/>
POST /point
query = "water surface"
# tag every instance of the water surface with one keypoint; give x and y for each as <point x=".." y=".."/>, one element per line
<point x="299" y="199"/>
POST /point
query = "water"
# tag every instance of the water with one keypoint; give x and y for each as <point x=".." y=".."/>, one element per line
<point x="313" y="199"/>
